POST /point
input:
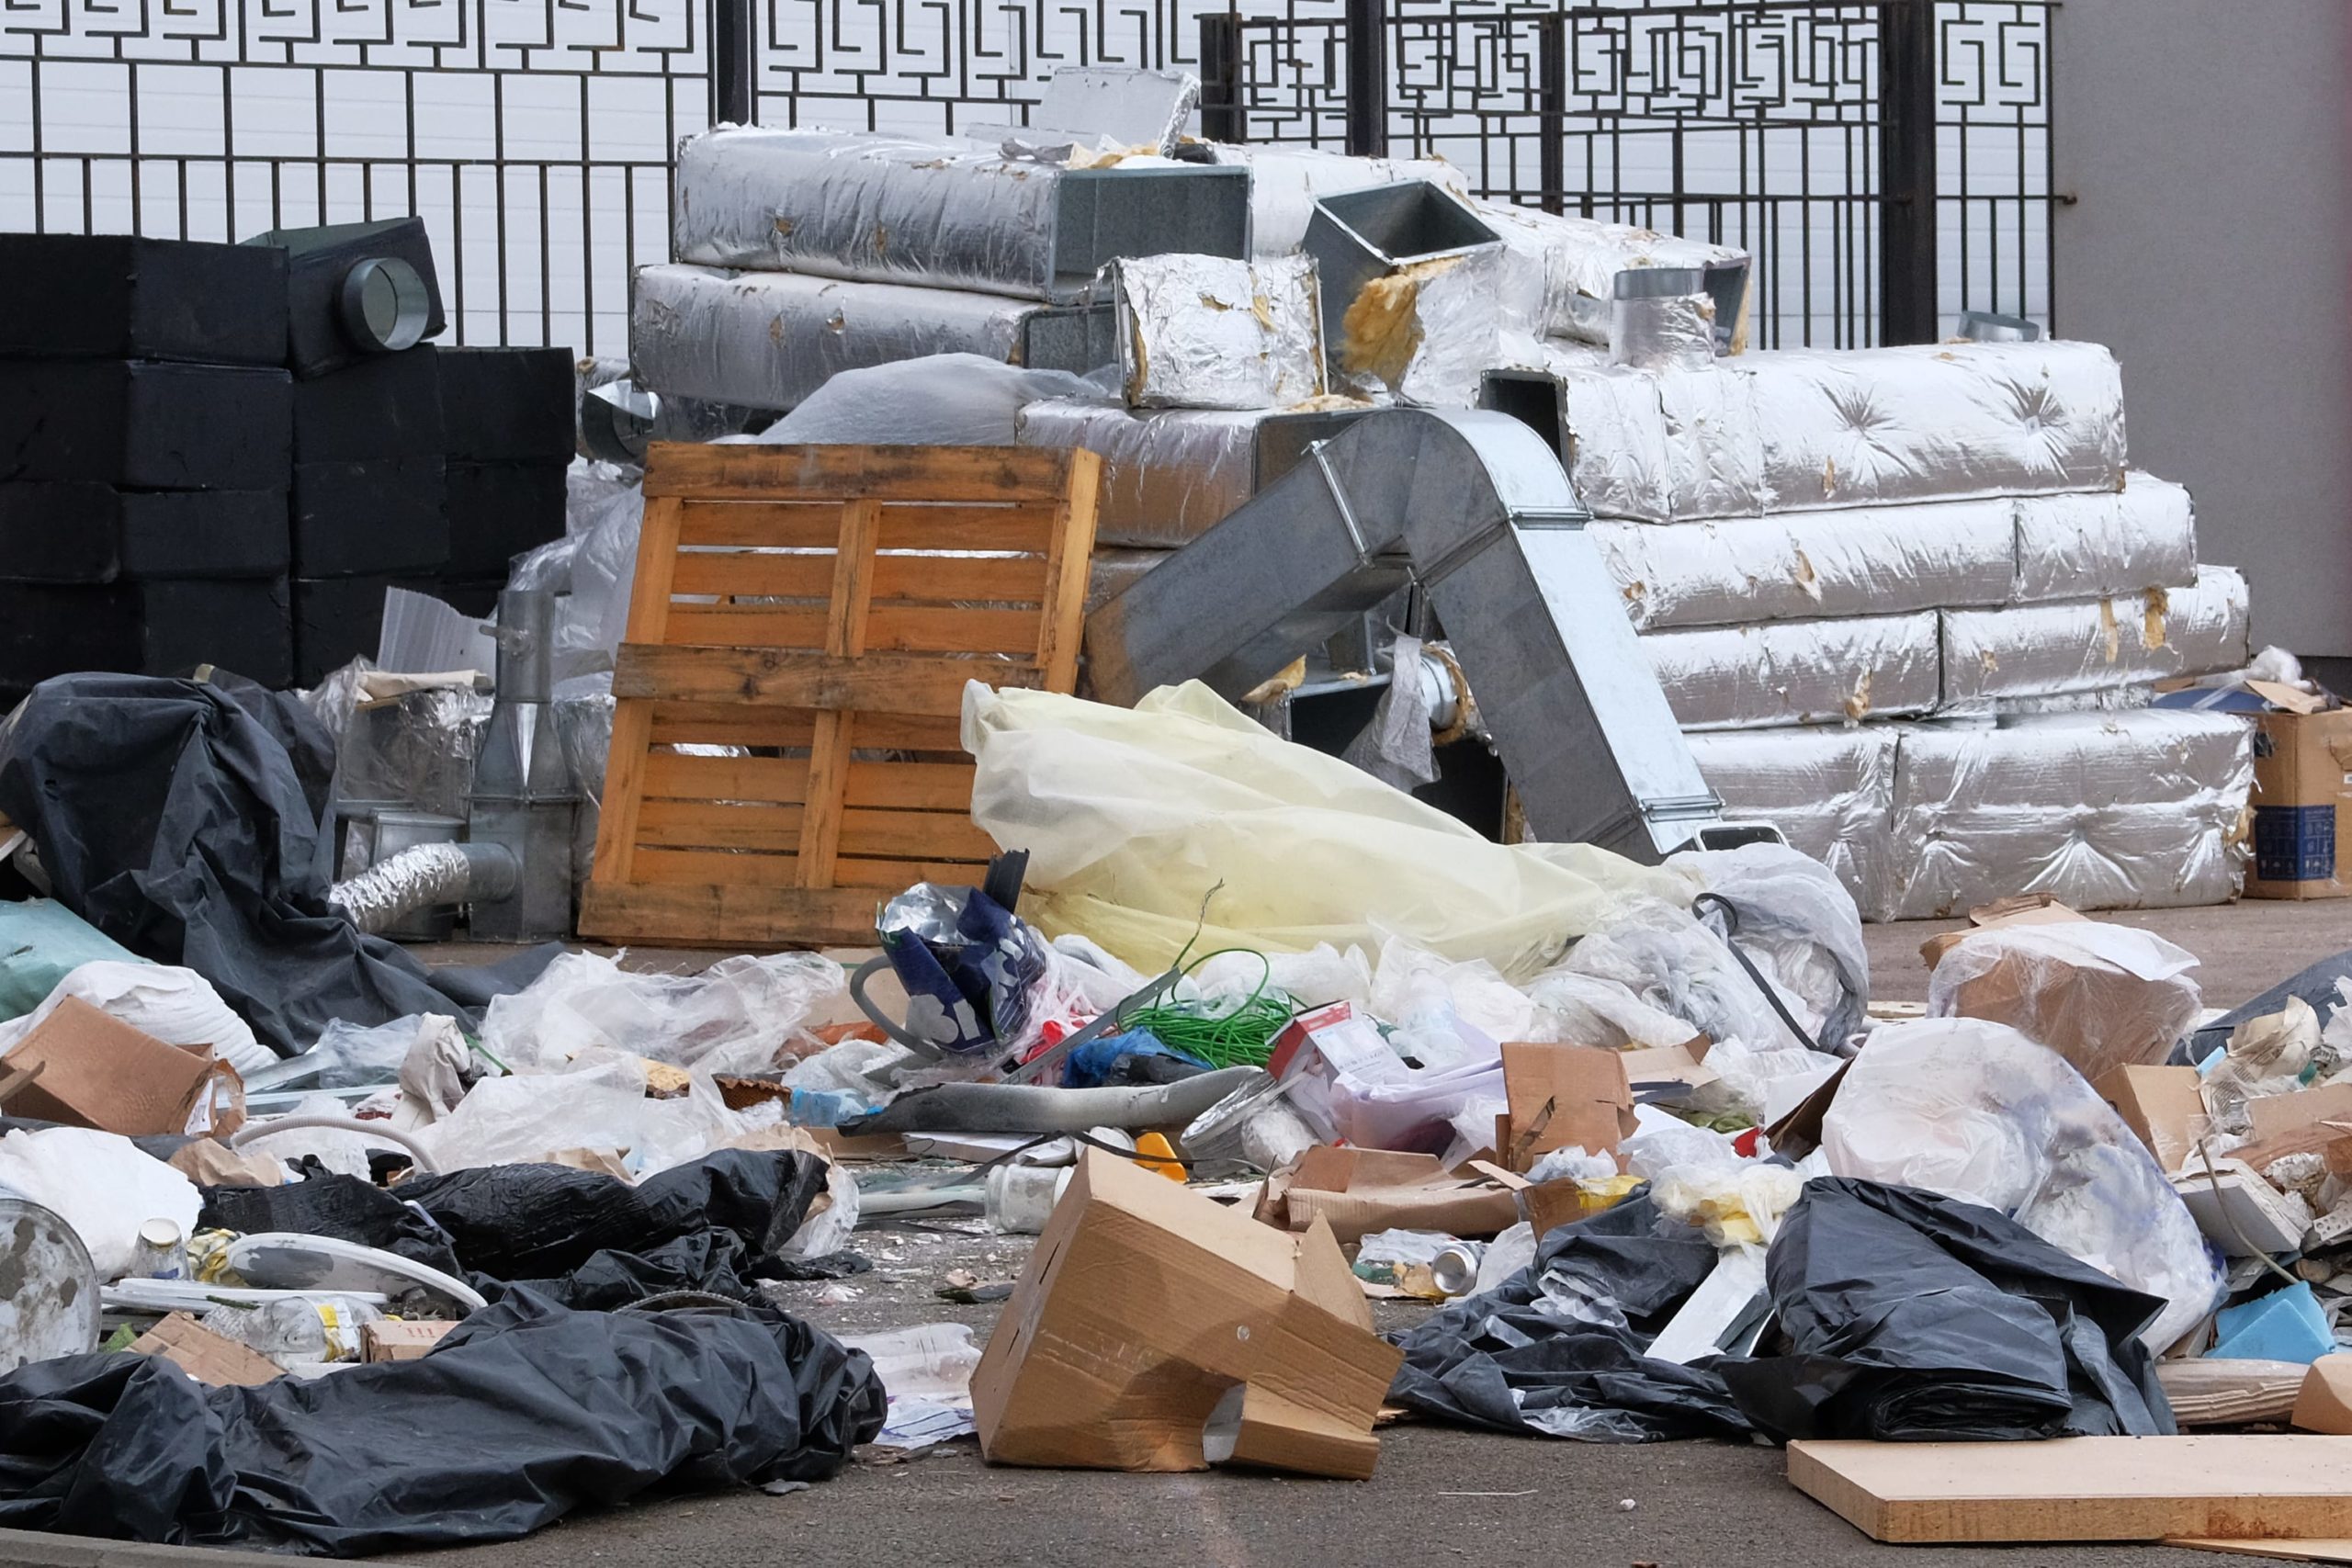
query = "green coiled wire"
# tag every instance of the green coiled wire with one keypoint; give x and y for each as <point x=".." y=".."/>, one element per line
<point x="1242" y="1037"/>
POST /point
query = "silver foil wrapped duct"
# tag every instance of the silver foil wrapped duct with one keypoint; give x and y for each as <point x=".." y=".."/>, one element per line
<point x="1797" y="672"/>
<point x="1167" y="476"/>
<point x="1830" y="789"/>
<point x="768" y="339"/>
<point x="2105" y="811"/>
<point x="2122" y="639"/>
<point x="1285" y="181"/>
<point x="1801" y="430"/>
<point x="2070" y="547"/>
<point x="1563" y="269"/>
<point x="1213" y="333"/>
<point x="939" y="212"/>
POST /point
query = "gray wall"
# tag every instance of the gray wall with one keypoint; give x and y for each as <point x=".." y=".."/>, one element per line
<point x="2209" y="144"/>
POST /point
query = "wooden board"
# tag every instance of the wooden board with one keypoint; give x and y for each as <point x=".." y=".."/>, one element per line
<point x="2239" y="1488"/>
<point x="818" y="612"/>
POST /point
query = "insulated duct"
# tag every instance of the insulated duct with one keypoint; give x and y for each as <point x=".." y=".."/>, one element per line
<point x="423" y="877"/>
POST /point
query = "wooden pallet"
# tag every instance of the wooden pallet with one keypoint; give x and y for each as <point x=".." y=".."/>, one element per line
<point x="792" y="600"/>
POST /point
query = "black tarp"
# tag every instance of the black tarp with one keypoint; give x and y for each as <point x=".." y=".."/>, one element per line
<point x="576" y="1236"/>
<point x="1913" y="1317"/>
<point x="181" y="818"/>
<point x="1493" y="1360"/>
<point x="524" y="1413"/>
<point x="2315" y="985"/>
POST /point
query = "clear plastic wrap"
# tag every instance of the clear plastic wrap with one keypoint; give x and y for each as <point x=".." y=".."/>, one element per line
<point x="766" y="340"/>
<point x="1978" y="1112"/>
<point x="744" y="1014"/>
<point x="1798" y="671"/>
<point x="1137" y="819"/>
<point x="2133" y="810"/>
<point x="2101" y="996"/>
<point x="947" y="399"/>
<point x="1212" y="333"/>
<point x="1798" y="922"/>
<point x="417" y="748"/>
<point x="1799" y="430"/>
<point x="1168" y="476"/>
<point x="1868" y="560"/>
<point x="2043" y="649"/>
<point x="1830" y="792"/>
<point x="1664" y="956"/>
<point x="526" y="1120"/>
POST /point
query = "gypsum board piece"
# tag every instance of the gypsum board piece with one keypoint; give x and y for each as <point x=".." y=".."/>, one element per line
<point x="1024" y="1108"/>
<point x="1474" y="508"/>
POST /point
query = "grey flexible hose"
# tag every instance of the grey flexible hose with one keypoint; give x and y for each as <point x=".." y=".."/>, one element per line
<point x="251" y="1130"/>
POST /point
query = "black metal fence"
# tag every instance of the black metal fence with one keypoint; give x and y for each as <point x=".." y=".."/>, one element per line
<point x="534" y="136"/>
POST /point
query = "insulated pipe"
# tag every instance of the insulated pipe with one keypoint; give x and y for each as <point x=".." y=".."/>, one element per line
<point x="420" y="877"/>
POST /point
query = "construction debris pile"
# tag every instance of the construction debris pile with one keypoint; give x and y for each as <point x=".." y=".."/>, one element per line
<point x="1249" y="1014"/>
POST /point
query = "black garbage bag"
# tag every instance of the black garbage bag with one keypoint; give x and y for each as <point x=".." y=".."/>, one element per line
<point x="2315" y="985"/>
<point x="1500" y="1362"/>
<point x="177" y="822"/>
<point x="574" y="1236"/>
<point x="526" y="1412"/>
<point x="1913" y="1317"/>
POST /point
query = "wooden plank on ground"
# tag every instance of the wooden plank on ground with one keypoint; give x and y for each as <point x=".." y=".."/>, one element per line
<point x="2230" y="1487"/>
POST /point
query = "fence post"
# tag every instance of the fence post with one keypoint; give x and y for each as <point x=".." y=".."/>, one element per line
<point x="1367" y="29"/>
<point x="1552" y="111"/>
<point x="1221" y="78"/>
<point x="732" y="100"/>
<point x="1906" y="154"/>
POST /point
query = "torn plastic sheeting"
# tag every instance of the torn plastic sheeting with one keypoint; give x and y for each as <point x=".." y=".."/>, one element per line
<point x="2316" y="987"/>
<point x="2070" y="547"/>
<point x="175" y="819"/>
<point x="1798" y="671"/>
<point x="1916" y="1317"/>
<point x="2033" y="649"/>
<point x="767" y="340"/>
<point x="1979" y="1113"/>
<point x="417" y="750"/>
<point x="1216" y="332"/>
<point x="1025" y="1107"/>
<point x="1799" y="430"/>
<point x="2105" y="811"/>
<point x="1558" y="1347"/>
<point x="744" y="1014"/>
<point x="1168" y="476"/>
<point x="1136" y="818"/>
<point x="2101" y="996"/>
<point x="1830" y="792"/>
<point x="600" y="1105"/>
<point x="532" y="1412"/>
<point x="1873" y="561"/>
<point x="1564" y="267"/>
<point x="1796" y="921"/>
<point x="945" y="400"/>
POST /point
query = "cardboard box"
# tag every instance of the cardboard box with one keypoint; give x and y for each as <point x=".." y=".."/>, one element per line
<point x="2100" y="995"/>
<point x="206" y="1357"/>
<point x="2017" y="909"/>
<point x="2302" y="805"/>
<point x="1562" y="1096"/>
<point x="1152" y="1329"/>
<point x="2324" y="1401"/>
<point x="2162" y="1105"/>
<point x="399" y="1339"/>
<point x="97" y="1071"/>
<point x="1357" y="1191"/>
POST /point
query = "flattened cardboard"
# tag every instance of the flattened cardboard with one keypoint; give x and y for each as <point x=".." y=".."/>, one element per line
<point x="2276" y="1115"/>
<point x="1684" y="1065"/>
<point x="2324" y="1401"/>
<point x="1798" y="1133"/>
<point x="97" y="1071"/>
<point x="1357" y="1191"/>
<point x="2302" y="805"/>
<point x="1144" y="1305"/>
<point x="1562" y="1096"/>
<point x="2161" y="1104"/>
<point x="399" y="1339"/>
<point x="2017" y="909"/>
<point x="206" y="1357"/>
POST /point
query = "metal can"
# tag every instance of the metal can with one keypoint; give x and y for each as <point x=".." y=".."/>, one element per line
<point x="1455" y="1267"/>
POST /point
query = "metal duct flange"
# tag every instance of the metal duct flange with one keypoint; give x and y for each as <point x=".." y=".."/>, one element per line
<point x="384" y="304"/>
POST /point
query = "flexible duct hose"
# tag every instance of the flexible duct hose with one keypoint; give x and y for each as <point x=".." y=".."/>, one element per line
<point x="424" y="875"/>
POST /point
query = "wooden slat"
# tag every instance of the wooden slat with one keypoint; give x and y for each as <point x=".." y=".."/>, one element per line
<point x="828" y="753"/>
<point x="714" y="676"/>
<point x="1064" y="618"/>
<point x="911" y="786"/>
<point x="730" y="724"/>
<point x="755" y="472"/>
<point x="896" y="875"/>
<point x="710" y="825"/>
<point x="923" y="579"/>
<point x="625" y="758"/>
<point x="891" y="629"/>
<point x="1028" y="528"/>
<point x="780" y="779"/>
<point x="911" y="732"/>
<point x="914" y="835"/>
<point x="767" y="524"/>
<point x="689" y="867"/>
<point x="735" y="916"/>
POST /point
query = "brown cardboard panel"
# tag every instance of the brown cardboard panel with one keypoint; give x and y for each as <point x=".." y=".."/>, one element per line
<point x="2017" y="909"/>
<point x="399" y="1339"/>
<point x="97" y="1071"/>
<point x="2084" y="1488"/>
<point x="2161" y="1104"/>
<point x="2324" y="1401"/>
<point x="1562" y="1096"/>
<point x="205" y="1356"/>
<point x="1144" y="1305"/>
<point x="2304" y="762"/>
<point x="1798" y="1133"/>
<point x="1357" y="1191"/>
<point x="2096" y="1015"/>
<point x="2276" y="1115"/>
